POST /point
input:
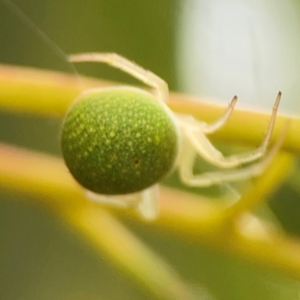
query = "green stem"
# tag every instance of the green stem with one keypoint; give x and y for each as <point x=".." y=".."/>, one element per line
<point x="192" y="217"/>
<point x="48" y="93"/>
<point x="47" y="179"/>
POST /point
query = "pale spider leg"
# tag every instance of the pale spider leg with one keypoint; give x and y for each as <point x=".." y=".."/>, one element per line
<point x="145" y="202"/>
<point x="185" y="167"/>
<point x="206" y="149"/>
<point x="126" y="66"/>
<point x="211" y="178"/>
<point x="186" y="160"/>
<point x="214" y="126"/>
<point x="192" y="123"/>
<point x="148" y="207"/>
<point x="122" y="201"/>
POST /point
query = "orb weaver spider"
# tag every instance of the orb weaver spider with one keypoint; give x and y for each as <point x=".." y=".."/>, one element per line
<point x="119" y="142"/>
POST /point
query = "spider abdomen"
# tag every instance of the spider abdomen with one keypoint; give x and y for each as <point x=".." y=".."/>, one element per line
<point x="119" y="141"/>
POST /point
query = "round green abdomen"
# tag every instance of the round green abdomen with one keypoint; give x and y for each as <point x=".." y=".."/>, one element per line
<point x="118" y="141"/>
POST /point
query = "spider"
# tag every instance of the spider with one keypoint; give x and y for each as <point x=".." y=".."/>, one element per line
<point x="119" y="142"/>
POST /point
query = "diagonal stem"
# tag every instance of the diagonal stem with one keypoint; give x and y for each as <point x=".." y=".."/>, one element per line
<point x="193" y="217"/>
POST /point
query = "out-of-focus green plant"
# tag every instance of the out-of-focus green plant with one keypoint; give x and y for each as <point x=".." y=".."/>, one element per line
<point x="234" y="250"/>
<point x="233" y="228"/>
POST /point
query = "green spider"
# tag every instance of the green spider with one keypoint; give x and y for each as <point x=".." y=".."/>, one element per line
<point x="119" y="142"/>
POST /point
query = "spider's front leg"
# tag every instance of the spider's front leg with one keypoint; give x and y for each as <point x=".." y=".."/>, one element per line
<point x="196" y="135"/>
<point x="196" y="142"/>
<point x="187" y="159"/>
<point x="127" y="66"/>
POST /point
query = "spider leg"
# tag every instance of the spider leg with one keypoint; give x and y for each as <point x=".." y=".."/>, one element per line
<point x="148" y="207"/>
<point x="189" y="121"/>
<point x="196" y="136"/>
<point x="121" y="201"/>
<point x="214" y="126"/>
<point x="129" y="67"/>
<point x="211" y="178"/>
<point x="145" y="202"/>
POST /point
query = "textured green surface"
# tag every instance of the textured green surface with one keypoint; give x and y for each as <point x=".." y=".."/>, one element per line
<point x="118" y="141"/>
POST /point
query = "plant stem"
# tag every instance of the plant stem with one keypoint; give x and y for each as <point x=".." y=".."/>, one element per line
<point x="190" y="216"/>
<point x="34" y="91"/>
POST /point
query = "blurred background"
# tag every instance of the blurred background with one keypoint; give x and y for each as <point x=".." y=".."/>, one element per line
<point x="212" y="49"/>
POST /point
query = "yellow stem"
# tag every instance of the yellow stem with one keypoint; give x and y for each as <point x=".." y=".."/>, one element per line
<point x="48" y="93"/>
<point x="47" y="178"/>
<point x="272" y="178"/>
<point x="187" y="215"/>
<point x="127" y="252"/>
